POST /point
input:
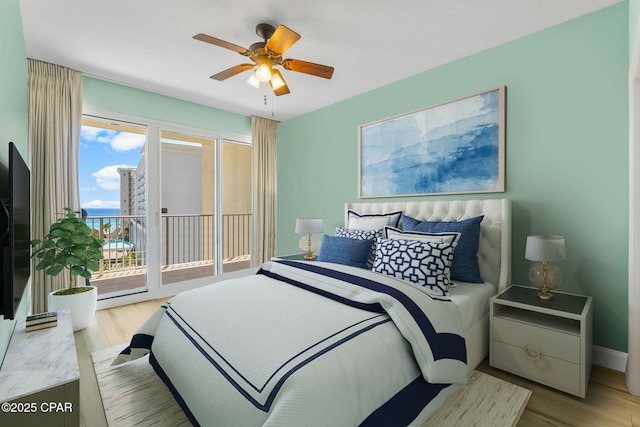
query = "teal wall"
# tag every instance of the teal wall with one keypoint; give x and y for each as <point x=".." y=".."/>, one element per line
<point x="634" y="13"/>
<point x="123" y="99"/>
<point x="13" y="81"/>
<point x="567" y="151"/>
<point x="13" y="116"/>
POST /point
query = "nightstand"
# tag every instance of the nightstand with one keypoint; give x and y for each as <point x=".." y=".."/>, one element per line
<point x="549" y="342"/>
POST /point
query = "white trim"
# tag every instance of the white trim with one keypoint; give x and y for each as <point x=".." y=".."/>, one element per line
<point x="170" y="126"/>
<point x="633" y="285"/>
<point x="612" y="359"/>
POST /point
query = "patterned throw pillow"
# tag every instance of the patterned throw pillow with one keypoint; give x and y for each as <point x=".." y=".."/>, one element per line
<point x="465" y="265"/>
<point x="362" y="235"/>
<point x="424" y="263"/>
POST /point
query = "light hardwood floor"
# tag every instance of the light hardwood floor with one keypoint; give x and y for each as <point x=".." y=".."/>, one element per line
<point x="607" y="402"/>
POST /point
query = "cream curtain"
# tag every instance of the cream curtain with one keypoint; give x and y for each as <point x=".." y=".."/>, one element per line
<point x="55" y="114"/>
<point x="264" y="137"/>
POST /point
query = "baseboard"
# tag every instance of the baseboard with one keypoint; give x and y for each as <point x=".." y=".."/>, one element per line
<point x="608" y="358"/>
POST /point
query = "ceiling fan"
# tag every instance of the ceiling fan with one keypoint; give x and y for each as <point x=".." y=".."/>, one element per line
<point x="265" y="56"/>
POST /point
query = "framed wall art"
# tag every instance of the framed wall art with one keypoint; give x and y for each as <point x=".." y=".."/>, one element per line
<point x="451" y="148"/>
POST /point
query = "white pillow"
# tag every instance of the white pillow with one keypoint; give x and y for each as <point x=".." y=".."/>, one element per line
<point x="356" y="221"/>
<point x="422" y="236"/>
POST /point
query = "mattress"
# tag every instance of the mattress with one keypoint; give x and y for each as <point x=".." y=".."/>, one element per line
<point x="472" y="299"/>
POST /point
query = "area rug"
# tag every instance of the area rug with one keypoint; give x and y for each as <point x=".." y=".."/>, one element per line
<point x="133" y="395"/>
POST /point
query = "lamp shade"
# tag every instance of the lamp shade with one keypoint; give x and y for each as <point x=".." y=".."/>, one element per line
<point x="309" y="225"/>
<point x="545" y="248"/>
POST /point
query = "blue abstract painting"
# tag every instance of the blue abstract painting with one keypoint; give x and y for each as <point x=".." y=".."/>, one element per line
<point x="455" y="147"/>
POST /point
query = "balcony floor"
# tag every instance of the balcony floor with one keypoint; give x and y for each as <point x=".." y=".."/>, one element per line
<point x="117" y="282"/>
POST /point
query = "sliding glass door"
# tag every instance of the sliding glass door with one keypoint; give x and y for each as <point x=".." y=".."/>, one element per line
<point x="173" y="205"/>
<point x="188" y="228"/>
<point x="113" y="191"/>
<point x="206" y="206"/>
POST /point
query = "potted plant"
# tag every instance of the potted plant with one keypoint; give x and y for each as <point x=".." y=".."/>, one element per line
<point x="70" y="245"/>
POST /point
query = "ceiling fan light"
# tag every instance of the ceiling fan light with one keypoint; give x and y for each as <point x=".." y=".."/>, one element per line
<point x="276" y="81"/>
<point x="263" y="72"/>
<point x="253" y="81"/>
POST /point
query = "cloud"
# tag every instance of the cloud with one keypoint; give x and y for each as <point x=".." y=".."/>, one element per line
<point x="128" y="141"/>
<point x="92" y="188"/>
<point x="108" y="177"/>
<point x="102" y="204"/>
<point x="117" y="140"/>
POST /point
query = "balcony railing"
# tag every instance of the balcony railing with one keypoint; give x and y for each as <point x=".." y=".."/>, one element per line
<point x="187" y="239"/>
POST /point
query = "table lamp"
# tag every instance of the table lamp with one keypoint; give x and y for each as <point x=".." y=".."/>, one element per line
<point x="544" y="275"/>
<point x="309" y="243"/>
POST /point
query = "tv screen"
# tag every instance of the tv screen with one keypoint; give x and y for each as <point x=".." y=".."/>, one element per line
<point x="17" y="249"/>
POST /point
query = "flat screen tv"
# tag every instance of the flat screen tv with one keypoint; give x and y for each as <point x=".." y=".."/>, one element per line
<point x="16" y="248"/>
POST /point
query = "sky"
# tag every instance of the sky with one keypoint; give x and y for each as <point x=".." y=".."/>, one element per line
<point x="102" y="152"/>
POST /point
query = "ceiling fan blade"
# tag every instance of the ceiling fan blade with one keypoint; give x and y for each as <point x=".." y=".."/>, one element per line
<point x="281" y="40"/>
<point x="318" y="70"/>
<point x="234" y="47"/>
<point x="282" y="90"/>
<point x="278" y="84"/>
<point x="230" y="72"/>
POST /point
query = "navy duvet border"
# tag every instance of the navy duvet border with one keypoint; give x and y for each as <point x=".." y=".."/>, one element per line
<point x="406" y="405"/>
<point x="165" y="379"/>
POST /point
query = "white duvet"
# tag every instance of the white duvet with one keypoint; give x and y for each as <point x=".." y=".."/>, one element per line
<point x="308" y="344"/>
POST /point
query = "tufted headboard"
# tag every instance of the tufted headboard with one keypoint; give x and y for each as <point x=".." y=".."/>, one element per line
<point x="494" y="251"/>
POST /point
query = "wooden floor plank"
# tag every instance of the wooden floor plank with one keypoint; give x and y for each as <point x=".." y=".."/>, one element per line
<point x="607" y="402"/>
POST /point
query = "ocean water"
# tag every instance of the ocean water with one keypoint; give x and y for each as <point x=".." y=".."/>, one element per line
<point x="103" y="211"/>
<point x="106" y="213"/>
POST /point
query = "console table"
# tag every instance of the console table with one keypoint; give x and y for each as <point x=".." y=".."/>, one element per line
<point x="40" y="378"/>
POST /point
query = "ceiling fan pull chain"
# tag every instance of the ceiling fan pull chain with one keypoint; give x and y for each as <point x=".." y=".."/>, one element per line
<point x="265" y="99"/>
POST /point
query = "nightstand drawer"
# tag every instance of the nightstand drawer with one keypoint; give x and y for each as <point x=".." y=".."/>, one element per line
<point x="550" y="342"/>
<point x="546" y="369"/>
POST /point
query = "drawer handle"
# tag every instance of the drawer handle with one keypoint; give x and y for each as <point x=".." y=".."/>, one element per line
<point x="532" y="352"/>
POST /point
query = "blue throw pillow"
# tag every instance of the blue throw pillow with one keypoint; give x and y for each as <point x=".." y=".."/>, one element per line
<point x="426" y="264"/>
<point x="362" y="235"/>
<point x="343" y="250"/>
<point x="465" y="261"/>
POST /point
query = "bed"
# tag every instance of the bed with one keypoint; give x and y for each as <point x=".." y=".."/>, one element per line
<point x="323" y="343"/>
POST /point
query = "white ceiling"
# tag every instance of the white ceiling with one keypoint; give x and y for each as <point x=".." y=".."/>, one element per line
<point x="148" y="44"/>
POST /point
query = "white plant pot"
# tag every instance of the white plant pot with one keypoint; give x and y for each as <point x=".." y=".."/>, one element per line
<point x="82" y="306"/>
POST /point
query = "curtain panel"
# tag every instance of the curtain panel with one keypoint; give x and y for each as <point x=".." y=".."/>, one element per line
<point x="264" y="141"/>
<point x="55" y="114"/>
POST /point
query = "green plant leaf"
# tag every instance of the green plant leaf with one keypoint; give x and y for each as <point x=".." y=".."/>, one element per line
<point x="85" y="273"/>
<point x="54" y="270"/>
<point x="78" y="271"/>
<point x="93" y="266"/>
<point x="67" y="226"/>
<point x="78" y="239"/>
<point x="80" y="252"/>
<point x="73" y="260"/>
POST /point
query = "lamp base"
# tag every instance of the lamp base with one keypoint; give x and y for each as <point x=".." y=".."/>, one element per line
<point x="545" y="295"/>
<point x="308" y="244"/>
